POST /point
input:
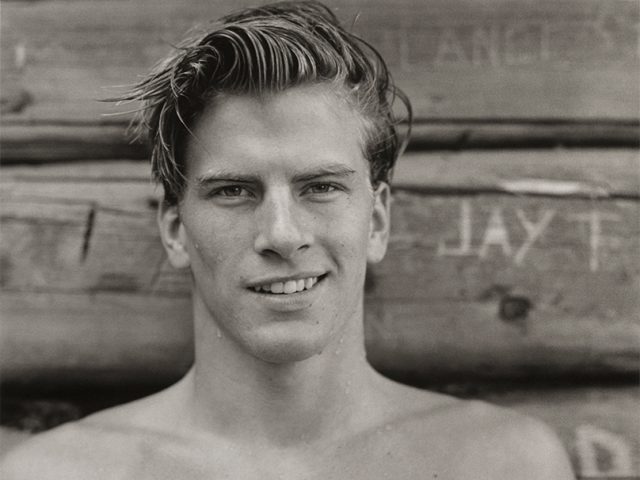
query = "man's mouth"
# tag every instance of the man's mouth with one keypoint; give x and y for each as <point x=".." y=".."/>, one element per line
<point x="289" y="287"/>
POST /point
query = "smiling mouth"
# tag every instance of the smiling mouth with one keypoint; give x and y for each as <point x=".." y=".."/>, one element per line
<point x="289" y="287"/>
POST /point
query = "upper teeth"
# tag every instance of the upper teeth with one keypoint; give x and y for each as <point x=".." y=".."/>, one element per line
<point x="290" y="286"/>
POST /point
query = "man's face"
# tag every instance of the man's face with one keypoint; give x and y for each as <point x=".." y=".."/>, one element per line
<point x="278" y="221"/>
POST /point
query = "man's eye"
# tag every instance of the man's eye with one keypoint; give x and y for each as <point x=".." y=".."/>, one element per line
<point x="322" y="188"/>
<point x="231" y="191"/>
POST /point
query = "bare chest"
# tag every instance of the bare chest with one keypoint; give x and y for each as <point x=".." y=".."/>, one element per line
<point x="366" y="458"/>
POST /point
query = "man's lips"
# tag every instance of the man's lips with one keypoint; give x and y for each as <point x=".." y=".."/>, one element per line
<point x="287" y="285"/>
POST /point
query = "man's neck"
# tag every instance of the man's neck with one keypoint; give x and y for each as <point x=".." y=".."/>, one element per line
<point x="246" y="399"/>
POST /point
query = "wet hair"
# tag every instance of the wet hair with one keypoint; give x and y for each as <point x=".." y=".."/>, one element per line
<point x="258" y="51"/>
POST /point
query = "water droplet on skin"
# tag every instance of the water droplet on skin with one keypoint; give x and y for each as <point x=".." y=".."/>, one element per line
<point x="337" y="352"/>
<point x="341" y="341"/>
<point x="218" y="333"/>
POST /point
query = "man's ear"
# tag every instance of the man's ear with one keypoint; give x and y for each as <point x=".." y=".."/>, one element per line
<point x="380" y="223"/>
<point x="173" y="235"/>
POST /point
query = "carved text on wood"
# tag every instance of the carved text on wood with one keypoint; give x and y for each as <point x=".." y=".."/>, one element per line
<point x="606" y="34"/>
<point x="498" y="236"/>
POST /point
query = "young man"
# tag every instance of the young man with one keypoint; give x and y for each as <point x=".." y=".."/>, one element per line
<point x="273" y="138"/>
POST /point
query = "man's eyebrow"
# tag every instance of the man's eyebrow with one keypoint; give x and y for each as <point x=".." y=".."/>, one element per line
<point x="225" y="176"/>
<point x="337" y="170"/>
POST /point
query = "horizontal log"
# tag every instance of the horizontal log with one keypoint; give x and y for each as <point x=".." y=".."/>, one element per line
<point x="489" y="285"/>
<point x="116" y="338"/>
<point x="462" y="59"/>
<point x="68" y="340"/>
<point x="54" y="143"/>
<point x="564" y="173"/>
<point x="599" y="426"/>
<point x="439" y="340"/>
<point x="29" y="143"/>
<point x="519" y="133"/>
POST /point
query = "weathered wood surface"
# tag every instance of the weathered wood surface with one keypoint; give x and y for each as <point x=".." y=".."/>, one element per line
<point x="93" y="339"/>
<point x="456" y="59"/>
<point x="24" y="143"/>
<point x="34" y="143"/>
<point x="598" y="425"/>
<point x="532" y="279"/>
<point x="568" y="173"/>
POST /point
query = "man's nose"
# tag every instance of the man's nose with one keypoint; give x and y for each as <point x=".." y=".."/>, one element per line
<point x="282" y="227"/>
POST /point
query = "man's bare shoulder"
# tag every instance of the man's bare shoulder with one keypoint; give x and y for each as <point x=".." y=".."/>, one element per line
<point x="69" y="451"/>
<point x="103" y="445"/>
<point x="501" y="443"/>
<point x="473" y="439"/>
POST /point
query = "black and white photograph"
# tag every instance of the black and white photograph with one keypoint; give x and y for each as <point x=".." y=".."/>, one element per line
<point x="320" y="240"/>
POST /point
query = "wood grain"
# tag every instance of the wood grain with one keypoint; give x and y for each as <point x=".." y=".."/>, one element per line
<point x="24" y="143"/>
<point x="463" y="59"/>
<point x="590" y="173"/>
<point x="79" y="341"/>
<point x="36" y="143"/>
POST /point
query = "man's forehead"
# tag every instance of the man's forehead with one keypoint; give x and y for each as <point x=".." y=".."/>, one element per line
<point x="300" y="130"/>
<point x="314" y="106"/>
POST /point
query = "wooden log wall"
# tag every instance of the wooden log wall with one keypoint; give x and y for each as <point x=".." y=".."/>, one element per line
<point x="515" y="248"/>
<point x="462" y="59"/>
<point x="481" y="273"/>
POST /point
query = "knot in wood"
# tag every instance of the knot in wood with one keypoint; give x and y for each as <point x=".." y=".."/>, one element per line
<point x="514" y="307"/>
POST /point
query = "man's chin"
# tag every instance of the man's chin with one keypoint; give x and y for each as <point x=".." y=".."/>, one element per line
<point x="290" y="350"/>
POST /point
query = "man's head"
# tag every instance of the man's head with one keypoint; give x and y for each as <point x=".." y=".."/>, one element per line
<point x="274" y="139"/>
<point x="262" y="51"/>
